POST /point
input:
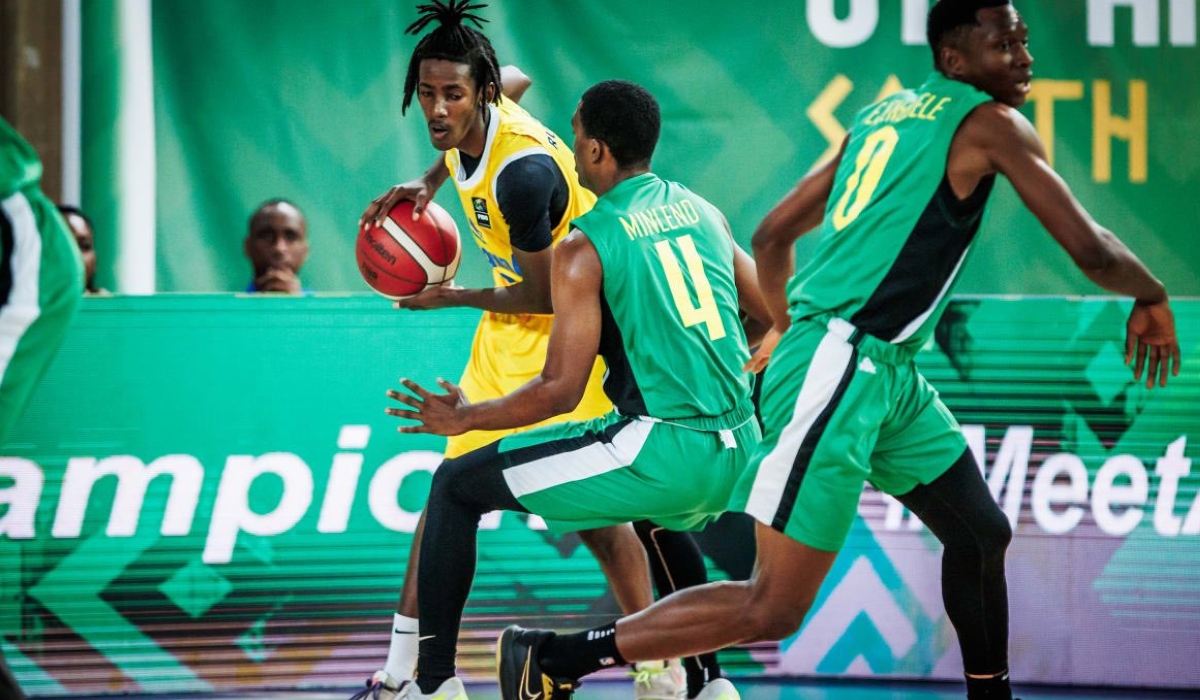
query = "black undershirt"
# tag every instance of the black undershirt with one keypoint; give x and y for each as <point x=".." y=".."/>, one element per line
<point x="532" y="195"/>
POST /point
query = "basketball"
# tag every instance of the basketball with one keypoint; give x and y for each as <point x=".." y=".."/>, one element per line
<point x="404" y="257"/>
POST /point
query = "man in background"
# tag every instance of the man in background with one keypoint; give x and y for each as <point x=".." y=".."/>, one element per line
<point x="277" y="245"/>
<point x="81" y="226"/>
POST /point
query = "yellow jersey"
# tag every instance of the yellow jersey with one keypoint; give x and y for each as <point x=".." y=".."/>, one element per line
<point x="512" y="134"/>
<point x="510" y="349"/>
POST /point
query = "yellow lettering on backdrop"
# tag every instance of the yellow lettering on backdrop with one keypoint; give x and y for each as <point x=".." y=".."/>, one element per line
<point x="820" y="113"/>
<point x="1043" y="94"/>
<point x="1106" y="126"/>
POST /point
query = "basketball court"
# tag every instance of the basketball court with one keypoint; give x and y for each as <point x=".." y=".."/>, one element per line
<point x="751" y="689"/>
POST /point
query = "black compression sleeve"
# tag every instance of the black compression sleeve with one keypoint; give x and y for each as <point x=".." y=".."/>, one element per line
<point x="531" y="194"/>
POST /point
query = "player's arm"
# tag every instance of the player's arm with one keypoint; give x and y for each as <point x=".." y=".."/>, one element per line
<point x="422" y="189"/>
<point x="799" y="212"/>
<point x="1011" y="146"/>
<point x="756" y="318"/>
<point x="574" y="343"/>
<point x="515" y="82"/>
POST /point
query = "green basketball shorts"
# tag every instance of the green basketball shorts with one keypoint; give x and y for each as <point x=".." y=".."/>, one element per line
<point x="841" y="408"/>
<point x="616" y="469"/>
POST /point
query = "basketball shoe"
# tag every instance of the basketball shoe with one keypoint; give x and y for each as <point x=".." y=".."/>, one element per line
<point x="381" y="686"/>
<point x="659" y="680"/>
<point x="718" y="689"/>
<point x="517" y="668"/>
<point x="450" y="689"/>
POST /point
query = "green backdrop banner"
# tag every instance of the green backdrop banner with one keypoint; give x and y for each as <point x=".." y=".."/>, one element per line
<point x="301" y="99"/>
<point x="205" y="494"/>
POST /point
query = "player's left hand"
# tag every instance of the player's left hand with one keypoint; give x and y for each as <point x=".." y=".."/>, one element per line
<point x="439" y="297"/>
<point x="439" y="414"/>
<point x="1151" y="344"/>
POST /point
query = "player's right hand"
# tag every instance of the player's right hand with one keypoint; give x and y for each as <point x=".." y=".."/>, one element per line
<point x="416" y="190"/>
<point x="439" y="414"/>
<point x="1151" y="343"/>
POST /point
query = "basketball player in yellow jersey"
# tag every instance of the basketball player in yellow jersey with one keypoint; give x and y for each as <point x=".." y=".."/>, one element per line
<point x="519" y="191"/>
<point x="525" y="175"/>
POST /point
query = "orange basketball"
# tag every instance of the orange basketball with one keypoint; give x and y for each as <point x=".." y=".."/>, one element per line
<point x="403" y="257"/>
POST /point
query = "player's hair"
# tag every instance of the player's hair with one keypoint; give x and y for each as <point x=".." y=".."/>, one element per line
<point x="453" y="41"/>
<point x="68" y="210"/>
<point x="626" y="117"/>
<point x="273" y="202"/>
<point x="950" y="21"/>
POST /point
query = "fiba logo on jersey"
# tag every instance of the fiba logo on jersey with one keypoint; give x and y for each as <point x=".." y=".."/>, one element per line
<point x="479" y="204"/>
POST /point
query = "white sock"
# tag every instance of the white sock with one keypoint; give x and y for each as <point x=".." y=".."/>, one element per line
<point x="402" y="654"/>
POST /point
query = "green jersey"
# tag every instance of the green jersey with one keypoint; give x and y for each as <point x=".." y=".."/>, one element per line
<point x="671" y="335"/>
<point x="895" y="236"/>
<point x="19" y="165"/>
<point x="41" y="276"/>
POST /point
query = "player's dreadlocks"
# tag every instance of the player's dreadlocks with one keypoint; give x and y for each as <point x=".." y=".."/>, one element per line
<point x="452" y="41"/>
<point x="950" y="20"/>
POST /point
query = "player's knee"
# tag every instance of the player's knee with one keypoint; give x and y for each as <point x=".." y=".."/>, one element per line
<point x="447" y="478"/>
<point x="439" y="487"/>
<point x="995" y="536"/>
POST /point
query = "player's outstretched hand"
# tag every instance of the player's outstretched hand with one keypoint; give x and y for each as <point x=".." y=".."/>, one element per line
<point x="758" y="362"/>
<point x="1151" y="344"/>
<point x="439" y="414"/>
<point x="416" y="190"/>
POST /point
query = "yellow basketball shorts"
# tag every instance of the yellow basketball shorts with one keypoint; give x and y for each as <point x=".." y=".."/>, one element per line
<point x="508" y="351"/>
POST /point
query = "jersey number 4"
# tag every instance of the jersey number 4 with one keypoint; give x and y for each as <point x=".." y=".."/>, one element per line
<point x="868" y="168"/>
<point x="705" y="309"/>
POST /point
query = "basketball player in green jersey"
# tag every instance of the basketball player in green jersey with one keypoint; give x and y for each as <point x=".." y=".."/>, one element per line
<point x="41" y="281"/>
<point x="843" y="402"/>
<point x="651" y="280"/>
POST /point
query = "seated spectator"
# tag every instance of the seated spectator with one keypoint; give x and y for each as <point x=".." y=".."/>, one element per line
<point x="81" y="226"/>
<point x="277" y="245"/>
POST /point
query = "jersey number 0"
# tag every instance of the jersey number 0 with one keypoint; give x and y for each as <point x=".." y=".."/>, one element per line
<point x="876" y="150"/>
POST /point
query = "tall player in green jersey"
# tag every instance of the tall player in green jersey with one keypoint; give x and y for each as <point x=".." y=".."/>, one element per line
<point x="843" y="402"/>
<point x="652" y="280"/>
<point x="41" y="281"/>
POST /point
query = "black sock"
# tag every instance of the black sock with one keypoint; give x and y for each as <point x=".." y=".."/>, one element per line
<point x="701" y="670"/>
<point x="433" y="682"/>
<point x="994" y="688"/>
<point x="576" y="655"/>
